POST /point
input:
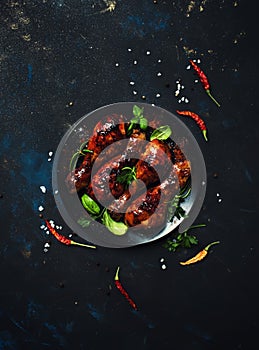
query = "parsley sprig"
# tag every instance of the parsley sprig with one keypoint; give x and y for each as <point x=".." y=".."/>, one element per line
<point x="183" y="240"/>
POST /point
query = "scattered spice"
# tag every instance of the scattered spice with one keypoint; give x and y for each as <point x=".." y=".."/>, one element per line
<point x="204" y="80"/>
<point x="122" y="290"/>
<point x="64" y="239"/>
<point x="197" y="119"/>
<point x="200" y="256"/>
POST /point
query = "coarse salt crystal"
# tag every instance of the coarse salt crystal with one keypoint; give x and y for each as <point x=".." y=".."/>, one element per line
<point x="220" y="200"/>
<point x="43" y="189"/>
<point x="159" y="61"/>
<point x="158" y="95"/>
<point x="163" y="267"/>
<point x="117" y="64"/>
<point x="129" y="50"/>
<point x="42" y="227"/>
<point x="40" y="208"/>
<point x="134" y="92"/>
<point x="49" y="159"/>
<point x="162" y="260"/>
<point x="177" y="92"/>
<point x="50" y="153"/>
<point x="132" y="83"/>
<point x="46" y="245"/>
<point x="159" y="74"/>
<point x="188" y="67"/>
<point x="135" y="62"/>
<point x="148" y="52"/>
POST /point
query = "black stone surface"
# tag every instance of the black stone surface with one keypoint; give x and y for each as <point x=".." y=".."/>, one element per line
<point x="58" y="62"/>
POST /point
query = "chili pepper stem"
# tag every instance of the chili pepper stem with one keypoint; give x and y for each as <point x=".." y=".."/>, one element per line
<point x="83" y="245"/>
<point x="209" y="245"/>
<point x="204" y="132"/>
<point x="213" y="99"/>
<point x="116" y="278"/>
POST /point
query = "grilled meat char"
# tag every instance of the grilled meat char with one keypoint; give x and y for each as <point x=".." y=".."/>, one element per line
<point x="104" y="186"/>
<point x="110" y="129"/>
<point x="147" y="209"/>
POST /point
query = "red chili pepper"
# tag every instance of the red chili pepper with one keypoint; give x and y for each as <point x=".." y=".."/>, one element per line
<point x="198" y="120"/>
<point x="64" y="239"/>
<point x="204" y="80"/>
<point x="122" y="290"/>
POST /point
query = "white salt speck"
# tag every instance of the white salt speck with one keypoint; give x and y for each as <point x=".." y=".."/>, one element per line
<point x="188" y="67"/>
<point x="186" y="100"/>
<point x="194" y="60"/>
<point x="50" y="153"/>
<point x="134" y="92"/>
<point x="179" y="101"/>
<point x="158" y="95"/>
<point x="45" y="228"/>
<point x="153" y="104"/>
<point x="135" y="62"/>
<point x="162" y="260"/>
<point x="196" y="80"/>
<point x="70" y="235"/>
<point x="45" y="250"/>
<point x="47" y="232"/>
<point x="42" y="227"/>
<point x="198" y="60"/>
<point x="129" y="50"/>
<point x="132" y="83"/>
<point x="43" y="189"/>
<point x="51" y="221"/>
<point x="182" y="87"/>
<point x="56" y="192"/>
<point x="117" y="64"/>
<point x="219" y="200"/>
<point x="57" y="227"/>
<point x="46" y="245"/>
<point x="40" y="208"/>
<point x="163" y="267"/>
<point x="148" y="53"/>
<point x="159" y="74"/>
<point x="60" y="227"/>
<point x="182" y="99"/>
<point x="177" y="92"/>
<point x="203" y="183"/>
<point x="217" y="194"/>
<point x="49" y="159"/>
<point x="159" y="61"/>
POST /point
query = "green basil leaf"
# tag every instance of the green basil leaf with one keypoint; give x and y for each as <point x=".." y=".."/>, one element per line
<point x="143" y="123"/>
<point x="161" y="133"/>
<point x="117" y="228"/>
<point x="90" y="205"/>
<point x="137" y="111"/>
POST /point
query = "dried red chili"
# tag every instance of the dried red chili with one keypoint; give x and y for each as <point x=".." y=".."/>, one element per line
<point x="204" y="80"/>
<point x="198" y="120"/>
<point x="122" y="290"/>
<point x="64" y="239"/>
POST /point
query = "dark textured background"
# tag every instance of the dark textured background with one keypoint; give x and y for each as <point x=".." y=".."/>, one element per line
<point x="57" y="63"/>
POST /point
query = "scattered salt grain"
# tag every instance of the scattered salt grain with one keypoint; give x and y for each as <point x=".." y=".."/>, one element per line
<point x="217" y="194"/>
<point x="46" y="245"/>
<point x="50" y="153"/>
<point x="148" y="53"/>
<point x="42" y="227"/>
<point x="40" y="208"/>
<point x="188" y="67"/>
<point x="219" y="200"/>
<point x="159" y="61"/>
<point x="49" y="159"/>
<point x="162" y="260"/>
<point x="134" y="92"/>
<point x="159" y="74"/>
<point x="135" y="62"/>
<point x="117" y="64"/>
<point x="43" y="189"/>
<point x="163" y="267"/>
<point x="158" y="95"/>
<point x="56" y="192"/>
<point x="196" y="81"/>
<point x="129" y="50"/>
<point x="132" y="83"/>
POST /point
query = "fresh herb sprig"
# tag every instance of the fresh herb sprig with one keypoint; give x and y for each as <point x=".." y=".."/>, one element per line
<point x="80" y="152"/>
<point x="138" y="119"/>
<point x="182" y="240"/>
<point x="127" y="176"/>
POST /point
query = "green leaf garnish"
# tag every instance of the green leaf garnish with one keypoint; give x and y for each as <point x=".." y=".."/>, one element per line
<point x="161" y="133"/>
<point x="117" y="228"/>
<point x="137" y="111"/>
<point x="138" y="119"/>
<point x="84" y="222"/>
<point x="183" y="240"/>
<point x="90" y="205"/>
<point x="127" y="176"/>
